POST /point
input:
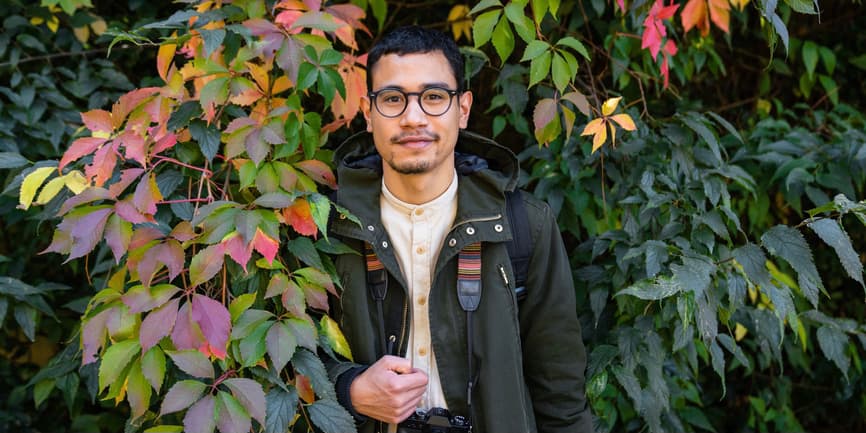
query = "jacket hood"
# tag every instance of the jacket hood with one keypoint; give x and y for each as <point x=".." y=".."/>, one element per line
<point x="473" y="154"/>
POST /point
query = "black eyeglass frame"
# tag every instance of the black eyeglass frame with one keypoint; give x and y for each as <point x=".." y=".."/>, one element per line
<point x="451" y="94"/>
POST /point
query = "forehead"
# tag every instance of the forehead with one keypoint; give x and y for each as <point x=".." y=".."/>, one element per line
<point x="413" y="71"/>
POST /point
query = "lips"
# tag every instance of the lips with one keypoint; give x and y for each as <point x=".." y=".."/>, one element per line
<point x="414" y="141"/>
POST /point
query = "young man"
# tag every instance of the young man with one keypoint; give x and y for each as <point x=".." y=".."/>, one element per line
<point x="431" y="202"/>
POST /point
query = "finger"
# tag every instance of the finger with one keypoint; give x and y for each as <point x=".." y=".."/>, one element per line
<point x="397" y="364"/>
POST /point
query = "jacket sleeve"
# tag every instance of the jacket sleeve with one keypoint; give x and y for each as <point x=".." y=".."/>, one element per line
<point x="553" y="353"/>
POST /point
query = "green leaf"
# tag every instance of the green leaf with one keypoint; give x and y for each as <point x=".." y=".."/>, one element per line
<point x="138" y="391"/>
<point x="302" y="248"/>
<point x="810" y="57"/>
<point x="12" y="160"/>
<point x="859" y="61"/>
<point x="42" y="390"/>
<point x="26" y="318"/>
<point x="832" y="233"/>
<point x="828" y="58"/>
<point x="503" y="40"/>
<point x="523" y="25"/>
<point x="207" y="137"/>
<point x="751" y="257"/>
<point x="115" y="360"/>
<point x="320" y="207"/>
<point x="308" y="364"/>
<point x="482" y="29"/>
<point x="729" y="343"/>
<point x="788" y="243"/>
<point x="561" y="72"/>
<point x="802" y="6"/>
<point x="240" y="304"/>
<point x="248" y="321"/>
<point x="831" y="87"/>
<point x="833" y="343"/>
<point x="534" y="49"/>
<point x="165" y="429"/>
<point x="539" y="68"/>
<point x="153" y="367"/>
<point x="331" y="417"/>
<point x="182" y="115"/>
<point x="575" y="45"/>
<point x="695" y="417"/>
<point x="718" y="360"/>
<point x="231" y="416"/>
<point x="647" y="290"/>
<point x="215" y="92"/>
<point x="695" y="122"/>
<point x="206" y="263"/>
<point x="252" y="347"/>
<point x="281" y="345"/>
<point x="192" y="362"/>
<point x="250" y="395"/>
<point x="213" y="39"/>
<point x="694" y="274"/>
<point x="201" y="417"/>
<point x="181" y="395"/>
<point x="281" y="409"/>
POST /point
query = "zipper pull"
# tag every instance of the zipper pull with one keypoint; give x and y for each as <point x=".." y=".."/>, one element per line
<point x="504" y="276"/>
<point x="391" y="339"/>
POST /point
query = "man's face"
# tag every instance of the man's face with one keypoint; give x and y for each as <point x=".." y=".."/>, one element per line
<point x="414" y="142"/>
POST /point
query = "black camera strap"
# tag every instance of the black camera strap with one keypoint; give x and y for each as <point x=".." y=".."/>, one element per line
<point x="469" y="295"/>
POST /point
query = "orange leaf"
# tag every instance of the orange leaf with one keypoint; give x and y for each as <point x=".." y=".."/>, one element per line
<point x="355" y="80"/>
<point x="720" y="14"/>
<point x="624" y="121"/>
<point x="300" y="217"/>
<point x="97" y="121"/>
<point x="102" y="167"/>
<point x="164" y="57"/>
<point x="135" y="146"/>
<point x="318" y="171"/>
<point x="599" y="138"/>
<point x="695" y="15"/>
<point x="593" y="127"/>
<point x="305" y="388"/>
<point x="609" y="106"/>
<point x="146" y="195"/>
<point x="260" y="75"/>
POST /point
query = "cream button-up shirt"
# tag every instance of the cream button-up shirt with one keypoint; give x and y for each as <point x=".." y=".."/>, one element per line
<point x="417" y="233"/>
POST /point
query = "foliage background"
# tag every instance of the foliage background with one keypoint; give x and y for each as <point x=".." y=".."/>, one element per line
<point x="688" y="326"/>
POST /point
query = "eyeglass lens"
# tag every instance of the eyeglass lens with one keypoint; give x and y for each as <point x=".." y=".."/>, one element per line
<point x="434" y="101"/>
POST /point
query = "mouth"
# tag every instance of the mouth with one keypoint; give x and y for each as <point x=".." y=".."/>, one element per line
<point x="414" y="141"/>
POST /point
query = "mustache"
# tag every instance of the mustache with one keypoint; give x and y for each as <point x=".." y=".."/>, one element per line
<point x="415" y="135"/>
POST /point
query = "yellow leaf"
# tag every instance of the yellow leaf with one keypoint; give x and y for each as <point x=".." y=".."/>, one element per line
<point x="609" y="106"/>
<point x="335" y="337"/>
<point x="461" y="23"/>
<point x="36" y="21"/>
<point x="50" y="190"/>
<point x="164" y="57"/>
<point x="98" y="26"/>
<point x="31" y="183"/>
<point x="82" y="33"/>
<point x="53" y="24"/>
<point x="260" y="75"/>
<point x="740" y="4"/>
<point x="624" y="121"/>
<point x="612" y="134"/>
<point x="75" y="181"/>
<point x="599" y="138"/>
<point x="753" y="294"/>
<point x="740" y="331"/>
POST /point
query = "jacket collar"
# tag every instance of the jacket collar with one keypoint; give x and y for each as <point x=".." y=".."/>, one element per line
<point x="486" y="170"/>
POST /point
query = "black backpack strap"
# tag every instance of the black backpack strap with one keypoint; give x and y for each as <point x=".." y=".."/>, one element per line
<point x="520" y="246"/>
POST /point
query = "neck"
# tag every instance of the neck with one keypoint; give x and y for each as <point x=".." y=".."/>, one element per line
<point x="417" y="188"/>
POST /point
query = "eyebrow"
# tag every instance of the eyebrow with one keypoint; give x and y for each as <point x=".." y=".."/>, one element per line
<point x="423" y="86"/>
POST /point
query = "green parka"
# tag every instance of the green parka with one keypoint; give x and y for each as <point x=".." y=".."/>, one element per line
<point x="529" y="356"/>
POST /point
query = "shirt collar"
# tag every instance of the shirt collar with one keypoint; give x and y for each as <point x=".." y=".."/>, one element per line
<point x="434" y="205"/>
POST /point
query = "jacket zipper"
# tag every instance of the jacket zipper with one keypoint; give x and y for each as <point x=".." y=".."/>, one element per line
<point x="402" y="326"/>
<point x="475" y="220"/>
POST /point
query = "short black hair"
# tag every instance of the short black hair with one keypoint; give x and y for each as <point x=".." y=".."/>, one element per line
<point x="415" y="40"/>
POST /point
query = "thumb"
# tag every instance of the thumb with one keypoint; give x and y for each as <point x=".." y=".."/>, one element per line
<point x="397" y="364"/>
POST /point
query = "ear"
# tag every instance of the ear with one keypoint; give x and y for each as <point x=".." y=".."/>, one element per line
<point x="365" y="108"/>
<point x="464" y="101"/>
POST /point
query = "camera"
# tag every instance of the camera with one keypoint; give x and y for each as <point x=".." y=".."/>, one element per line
<point x="435" y="420"/>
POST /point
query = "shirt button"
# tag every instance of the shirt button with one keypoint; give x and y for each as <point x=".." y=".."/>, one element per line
<point x="419" y="211"/>
<point x="422" y="351"/>
<point x="371" y="228"/>
<point x="422" y="300"/>
<point x="420" y="250"/>
<point x="470" y="230"/>
<point x="498" y="228"/>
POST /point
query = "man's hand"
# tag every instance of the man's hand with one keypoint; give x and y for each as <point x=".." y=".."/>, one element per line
<point x="389" y="390"/>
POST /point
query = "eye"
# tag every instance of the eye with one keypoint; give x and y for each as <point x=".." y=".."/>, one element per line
<point x="435" y="95"/>
<point x="391" y="98"/>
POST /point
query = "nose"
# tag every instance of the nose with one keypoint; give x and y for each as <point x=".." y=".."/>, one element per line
<point x="413" y="115"/>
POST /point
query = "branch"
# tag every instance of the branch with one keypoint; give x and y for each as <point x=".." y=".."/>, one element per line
<point x="60" y="55"/>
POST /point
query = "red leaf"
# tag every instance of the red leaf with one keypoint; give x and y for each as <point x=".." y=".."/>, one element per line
<point x="140" y="299"/>
<point x="544" y="113"/>
<point x="80" y="147"/>
<point x="215" y="323"/>
<point x="88" y="232"/>
<point x="186" y="334"/>
<point x="318" y="171"/>
<point x="300" y="217"/>
<point x="142" y="235"/>
<point x="126" y="178"/>
<point x="102" y="167"/>
<point x="135" y="146"/>
<point x="293" y="300"/>
<point x="193" y="363"/>
<point x="317" y="277"/>
<point x="238" y="251"/>
<point x="149" y="264"/>
<point x="128" y="212"/>
<point x="93" y="336"/>
<point x="118" y="233"/>
<point x="305" y="388"/>
<point x="265" y="245"/>
<point x="206" y="263"/>
<point x="278" y="284"/>
<point x="87" y="196"/>
<point x="128" y="102"/>
<point x="315" y="295"/>
<point x="147" y="195"/>
<point x="97" y="121"/>
<point x="158" y="324"/>
<point x="167" y="141"/>
<point x="654" y="28"/>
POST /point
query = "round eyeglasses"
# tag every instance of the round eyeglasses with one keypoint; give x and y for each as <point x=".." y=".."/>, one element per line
<point x="434" y="101"/>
